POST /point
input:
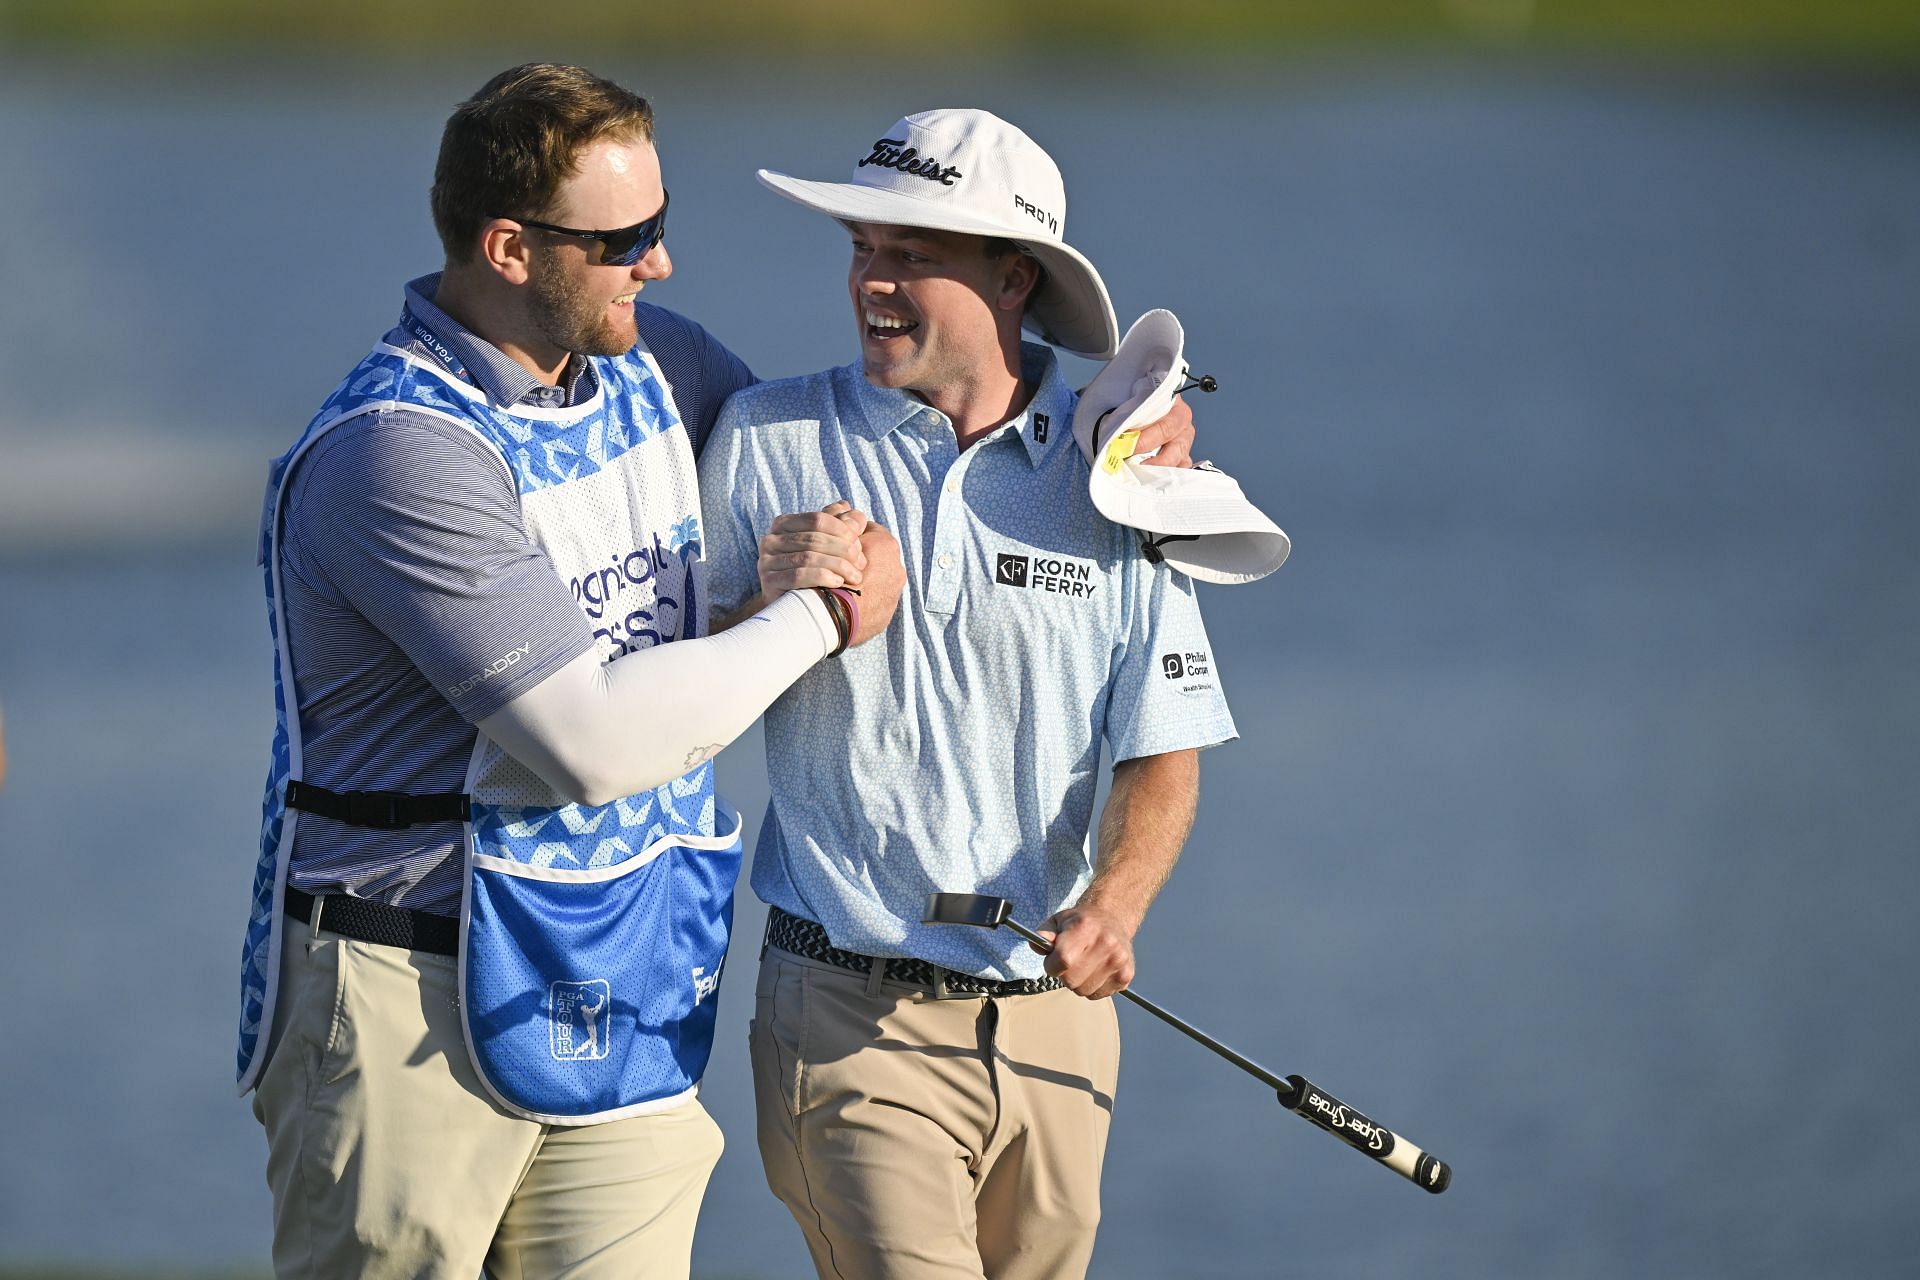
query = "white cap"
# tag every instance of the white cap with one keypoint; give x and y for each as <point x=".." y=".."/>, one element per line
<point x="971" y="171"/>
<point x="1202" y="524"/>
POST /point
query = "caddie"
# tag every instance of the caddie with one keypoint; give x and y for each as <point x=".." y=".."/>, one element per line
<point x="935" y="1103"/>
<point x="494" y="887"/>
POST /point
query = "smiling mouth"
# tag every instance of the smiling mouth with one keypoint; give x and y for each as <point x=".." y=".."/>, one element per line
<point x="883" y="327"/>
<point x="626" y="299"/>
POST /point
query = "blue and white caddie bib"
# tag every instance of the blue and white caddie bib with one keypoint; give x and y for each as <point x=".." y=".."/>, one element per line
<point x="592" y="937"/>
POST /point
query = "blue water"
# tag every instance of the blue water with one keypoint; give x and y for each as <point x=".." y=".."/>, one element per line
<point x="1571" y="831"/>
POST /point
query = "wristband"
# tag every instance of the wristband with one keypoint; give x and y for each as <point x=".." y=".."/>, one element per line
<point x="851" y="599"/>
<point x="842" y="619"/>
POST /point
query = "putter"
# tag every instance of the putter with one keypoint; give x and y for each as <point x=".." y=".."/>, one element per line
<point x="1297" y="1094"/>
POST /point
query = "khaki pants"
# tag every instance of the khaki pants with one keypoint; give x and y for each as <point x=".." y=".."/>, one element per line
<point x="386" y="1157"/>
<point x="916" y="1137"/>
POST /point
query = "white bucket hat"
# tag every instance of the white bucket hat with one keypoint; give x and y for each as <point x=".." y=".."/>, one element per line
<point x="1197" y="520"/>
<point x="971" y="171"/>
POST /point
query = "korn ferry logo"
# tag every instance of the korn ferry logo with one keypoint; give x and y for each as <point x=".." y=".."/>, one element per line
<point x="580" y="1023"/>
<point x="1052" y="574"/>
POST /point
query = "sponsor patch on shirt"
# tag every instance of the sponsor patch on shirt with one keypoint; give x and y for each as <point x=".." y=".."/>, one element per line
<point x="498" y="666"/>
<point x="1192" y="666"/>
<point x="1056" y="575"/>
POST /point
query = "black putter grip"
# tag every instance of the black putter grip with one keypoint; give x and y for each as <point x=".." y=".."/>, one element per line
<point x="1312" y="1103"/>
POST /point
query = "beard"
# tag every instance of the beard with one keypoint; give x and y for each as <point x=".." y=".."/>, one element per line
<point x="572" y="320"/>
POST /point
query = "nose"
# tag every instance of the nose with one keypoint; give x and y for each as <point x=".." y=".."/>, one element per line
<point x="656" y="264"/>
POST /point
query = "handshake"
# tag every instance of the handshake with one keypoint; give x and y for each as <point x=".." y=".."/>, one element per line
<point x="837" y="547"/>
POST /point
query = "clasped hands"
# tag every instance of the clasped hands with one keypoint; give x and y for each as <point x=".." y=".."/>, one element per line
<point x="837" y="546"/>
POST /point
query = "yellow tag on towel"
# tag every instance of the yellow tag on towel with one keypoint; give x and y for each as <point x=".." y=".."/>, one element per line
<point x="1119" y="449"/>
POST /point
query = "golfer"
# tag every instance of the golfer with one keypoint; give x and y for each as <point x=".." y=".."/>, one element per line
<point x="936" y="1102"/>
<point x="494" y="882"/>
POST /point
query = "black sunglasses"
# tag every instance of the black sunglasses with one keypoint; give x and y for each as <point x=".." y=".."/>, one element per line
<point x="620" y="248"/>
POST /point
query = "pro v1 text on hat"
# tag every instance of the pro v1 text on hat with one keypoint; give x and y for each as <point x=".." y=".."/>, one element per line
<point x="971" y="171"/>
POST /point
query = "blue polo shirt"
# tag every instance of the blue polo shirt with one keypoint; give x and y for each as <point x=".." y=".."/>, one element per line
<point x="958" y="751"/>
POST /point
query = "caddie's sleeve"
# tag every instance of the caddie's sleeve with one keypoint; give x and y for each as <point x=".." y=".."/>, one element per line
<point x="1166" y="693"/>
<point x="414" y="525"/>
<point x="726" y="505"/>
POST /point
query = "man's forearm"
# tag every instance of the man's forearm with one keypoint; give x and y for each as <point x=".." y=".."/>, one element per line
<point x="596" y="732"/>
<point x="1145" y="823"/>
<point x="1143" y="828"/>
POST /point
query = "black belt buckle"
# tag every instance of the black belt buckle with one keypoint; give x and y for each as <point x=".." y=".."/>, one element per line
<point x="379" y="809"/>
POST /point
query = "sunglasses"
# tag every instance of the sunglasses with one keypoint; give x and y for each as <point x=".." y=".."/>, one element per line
<point x="621" y="248"/>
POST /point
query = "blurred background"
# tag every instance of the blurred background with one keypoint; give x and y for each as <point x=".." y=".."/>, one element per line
<point x="1571" y="830"/>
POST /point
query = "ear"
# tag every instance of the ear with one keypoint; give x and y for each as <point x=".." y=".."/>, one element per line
<point x="505" y="250"/>
<point x="1018" y="279"/>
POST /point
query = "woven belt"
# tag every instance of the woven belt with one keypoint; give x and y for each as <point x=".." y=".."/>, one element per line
<point x="808" y="940"/>
<point x="365" y="921"/>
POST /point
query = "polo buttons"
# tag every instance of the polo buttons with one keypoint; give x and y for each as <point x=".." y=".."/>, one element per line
<point x="946" y="561"/>
<point x="952" y="485"/>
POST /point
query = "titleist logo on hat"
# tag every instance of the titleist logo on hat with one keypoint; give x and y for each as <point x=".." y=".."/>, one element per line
<point x="968" y="171"/>
<point x="894" y="153"/>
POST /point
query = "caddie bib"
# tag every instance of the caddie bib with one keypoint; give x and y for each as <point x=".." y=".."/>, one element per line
<point x="592" y="937"/>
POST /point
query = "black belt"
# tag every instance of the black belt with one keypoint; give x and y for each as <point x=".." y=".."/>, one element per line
<point x="365" y="921"/>
<point x="804" y="938"/>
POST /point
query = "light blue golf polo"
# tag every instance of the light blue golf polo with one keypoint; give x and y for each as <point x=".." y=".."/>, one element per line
<point x="959" y="751"/>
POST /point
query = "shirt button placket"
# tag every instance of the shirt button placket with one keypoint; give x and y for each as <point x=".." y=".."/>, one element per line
<point x="950" y="514"/>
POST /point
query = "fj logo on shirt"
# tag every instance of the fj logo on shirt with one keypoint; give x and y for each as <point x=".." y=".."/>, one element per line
<point x="579" y="1021"/>
<point x="1045" y="573"/>
<point x="1040" y="426"/>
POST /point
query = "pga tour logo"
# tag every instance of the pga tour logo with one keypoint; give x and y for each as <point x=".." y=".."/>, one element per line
<point x="580" y="1019"/>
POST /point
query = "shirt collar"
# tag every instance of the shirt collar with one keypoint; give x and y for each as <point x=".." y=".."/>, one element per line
<point x="884" y="410"/>
<point x="505" y="380"/>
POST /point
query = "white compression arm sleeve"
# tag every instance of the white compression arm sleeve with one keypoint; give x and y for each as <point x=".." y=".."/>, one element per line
<point x="597" y="731"/>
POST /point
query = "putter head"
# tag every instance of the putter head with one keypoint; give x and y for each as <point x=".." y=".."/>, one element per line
<point x="976" y="909"/>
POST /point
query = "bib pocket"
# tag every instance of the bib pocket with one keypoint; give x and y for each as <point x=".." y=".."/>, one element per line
<point x="590" y="995"/>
